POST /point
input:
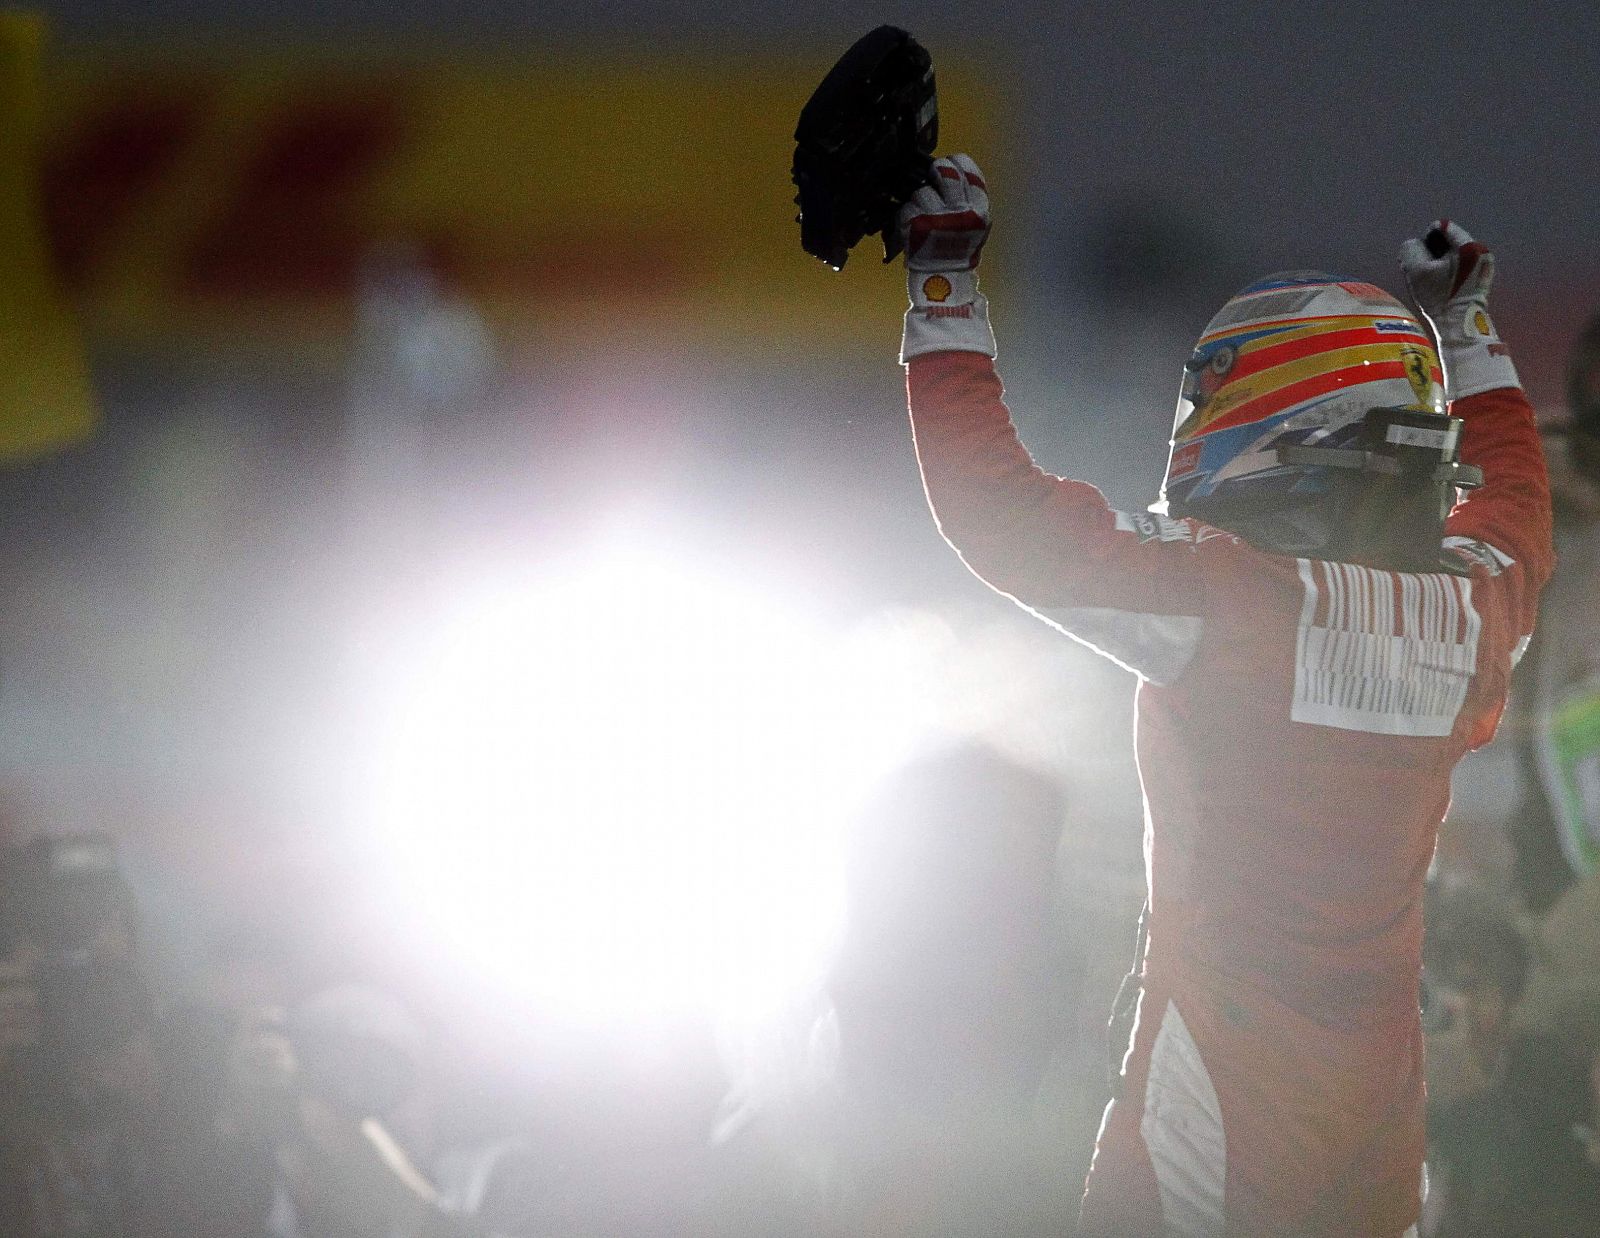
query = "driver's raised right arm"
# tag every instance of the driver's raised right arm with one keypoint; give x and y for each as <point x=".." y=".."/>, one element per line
<point x="1116" y="580"/>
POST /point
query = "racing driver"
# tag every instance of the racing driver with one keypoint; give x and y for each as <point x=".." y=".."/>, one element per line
<point x="1323" y="612"/>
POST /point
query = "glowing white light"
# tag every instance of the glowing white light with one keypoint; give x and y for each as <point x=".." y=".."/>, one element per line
<point x="620" y="792"/>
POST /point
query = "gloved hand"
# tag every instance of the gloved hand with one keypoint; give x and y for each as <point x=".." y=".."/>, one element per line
<point x="1449" y="275"/>
<point x="944" y="227"/>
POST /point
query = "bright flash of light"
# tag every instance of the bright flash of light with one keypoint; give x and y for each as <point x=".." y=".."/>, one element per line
<point x="620" y="792"/>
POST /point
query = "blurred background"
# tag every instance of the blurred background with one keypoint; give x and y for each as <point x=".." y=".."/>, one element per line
<point x="454" y="538"/>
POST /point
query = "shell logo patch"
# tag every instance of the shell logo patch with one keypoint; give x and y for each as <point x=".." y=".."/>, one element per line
<point x="1480" y="324"/>
<point x="1417" y="373"/>
<point x="936" y="288"/>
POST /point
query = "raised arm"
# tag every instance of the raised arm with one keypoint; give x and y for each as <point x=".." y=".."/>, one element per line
<point x="1126" y="583"/>
<point x="1450" y="274"/>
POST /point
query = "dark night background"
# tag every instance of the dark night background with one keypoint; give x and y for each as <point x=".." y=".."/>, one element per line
<point x="194" y="596"/>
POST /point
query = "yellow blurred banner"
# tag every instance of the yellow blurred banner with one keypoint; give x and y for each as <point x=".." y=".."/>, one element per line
<point x="44" y="387"/>
<point x="576" y="200"/>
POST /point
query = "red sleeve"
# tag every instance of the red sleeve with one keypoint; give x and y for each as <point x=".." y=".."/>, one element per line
<point x="1052" y="544"/>
<point x="1511" y="511"/>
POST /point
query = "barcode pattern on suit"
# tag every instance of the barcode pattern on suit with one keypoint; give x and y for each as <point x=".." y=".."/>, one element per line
<point x="1391" y="653"/>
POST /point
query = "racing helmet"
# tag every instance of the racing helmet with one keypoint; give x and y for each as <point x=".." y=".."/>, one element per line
<point x="1312" y="393"/>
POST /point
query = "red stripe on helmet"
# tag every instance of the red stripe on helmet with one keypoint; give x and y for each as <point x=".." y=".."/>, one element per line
<point x="1293" y="350"/>
<point x="1276" y="401"/>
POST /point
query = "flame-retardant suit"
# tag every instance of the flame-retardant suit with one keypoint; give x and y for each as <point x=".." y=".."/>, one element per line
<point x="1298" y="721"/>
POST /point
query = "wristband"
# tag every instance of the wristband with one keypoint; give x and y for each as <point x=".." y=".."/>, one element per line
<point x="947" y="314"/>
